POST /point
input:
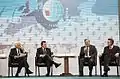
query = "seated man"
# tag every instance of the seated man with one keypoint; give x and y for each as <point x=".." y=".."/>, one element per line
<point x="109" y="54"/>
<point x="19" y="56"/>
<point x="88" y="54"/>
<point x="44" y="54"/>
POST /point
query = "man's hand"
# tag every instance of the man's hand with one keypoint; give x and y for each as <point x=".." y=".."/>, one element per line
<point x="87" y="56"/>
<point x="100" y="54"/>
<point x="117" y="55"/>
<point x="42" y="55"/>
<point x="22" y="54"/>
<point x="16" y="57"/>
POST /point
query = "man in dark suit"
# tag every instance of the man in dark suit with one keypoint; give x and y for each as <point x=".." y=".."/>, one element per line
<point x="18" y="55"/>
<point x="44" y="56"/>
<point x="88" y="54"/>
<point x="109" y="54"/>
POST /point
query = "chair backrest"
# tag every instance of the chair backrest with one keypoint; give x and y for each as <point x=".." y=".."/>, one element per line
<point x="12" y="62"/>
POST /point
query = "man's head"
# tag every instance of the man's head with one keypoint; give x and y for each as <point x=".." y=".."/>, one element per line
<point x="18" y="45"/>
<point x="43" y="44"/>
<point x="110" y="42"/>
<point x="87" y="42"/>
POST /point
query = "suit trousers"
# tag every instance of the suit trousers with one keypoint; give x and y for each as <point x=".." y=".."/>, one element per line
<point x="90" y="64"/>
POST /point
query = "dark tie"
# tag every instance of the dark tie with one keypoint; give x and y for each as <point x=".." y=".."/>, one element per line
<point x="86" y="51"/>
<point x="44" y="51"/>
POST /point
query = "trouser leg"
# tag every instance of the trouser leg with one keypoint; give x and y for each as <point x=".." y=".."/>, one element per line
<point x="81" y="66"/>
<point x="90" y="65"/>
<point x="106" y="63"/>
<point x="22" y="63"/>
<point x="48" y="58"/>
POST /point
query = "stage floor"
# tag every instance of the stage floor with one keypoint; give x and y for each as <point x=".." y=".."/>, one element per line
<point x="63" y="77"/>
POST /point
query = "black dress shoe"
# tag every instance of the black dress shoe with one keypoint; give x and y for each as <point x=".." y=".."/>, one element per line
<point x="57" y="65"/>
<point x="16" y="75"/>
<point x="29" y="72"/>
<point x="81" y="73"/>
<point x="105" y="75"/>
<point x="47" y="75"/>
<point x="90" y="73"/>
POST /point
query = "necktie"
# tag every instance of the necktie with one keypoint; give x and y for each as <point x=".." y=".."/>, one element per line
<point x="44" y="51"/>
<point x="87" y="51"/>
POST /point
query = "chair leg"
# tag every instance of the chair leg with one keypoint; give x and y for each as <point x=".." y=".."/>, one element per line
<point x="12" y="71"/>
<point x="25" y="72"/>
<point x="35" y="70"/>
<point x="100" y="70"/>
<point x="38" y="71"/>
<point x="79" y="65"/>
<point x="8" y="71"/>
<point x="51" y="70"/>
<point x="95" y="70"/>
<point x="117" y="71"/>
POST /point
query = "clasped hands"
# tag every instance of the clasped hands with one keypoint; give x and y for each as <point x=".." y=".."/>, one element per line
<point x="42" y="55"/>
<point x="21" y="55"/>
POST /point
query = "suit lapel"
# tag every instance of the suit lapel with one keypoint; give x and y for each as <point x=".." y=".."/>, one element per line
<point x="41" y="50"/>
<point x="15" y="51"/>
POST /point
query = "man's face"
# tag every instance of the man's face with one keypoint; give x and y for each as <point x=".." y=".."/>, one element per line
<point x="44" y="45"/>
<point x="87" y="42"/>
<point x="18" y="45"/>
<point x="109" y="43"/>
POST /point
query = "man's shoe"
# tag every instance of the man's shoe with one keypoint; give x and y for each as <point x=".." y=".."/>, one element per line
<point x="16" y="75"/>
<point x="29" y="72"/>
<point x="90" y="73"/>
<point x="105" y="75"/>
<point x="81" y="73"/>
<point x="57" y="65"/>
<point x="47" y="74"/>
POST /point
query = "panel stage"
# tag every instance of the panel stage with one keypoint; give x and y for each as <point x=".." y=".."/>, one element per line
<point x="62" y="77"/>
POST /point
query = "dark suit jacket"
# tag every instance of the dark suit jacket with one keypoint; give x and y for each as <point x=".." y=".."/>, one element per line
<point x="114" y="50"/>
<point x="13" y="52"/>
<point x="92" y="52"/>
<point x="40" y="52"/>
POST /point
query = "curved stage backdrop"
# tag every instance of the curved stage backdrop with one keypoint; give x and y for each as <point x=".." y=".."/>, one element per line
<point x="64" y="24"/>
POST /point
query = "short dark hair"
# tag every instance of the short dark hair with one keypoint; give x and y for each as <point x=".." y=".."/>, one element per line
<point x="43" y="42"/>
<point x="112" y="41"/>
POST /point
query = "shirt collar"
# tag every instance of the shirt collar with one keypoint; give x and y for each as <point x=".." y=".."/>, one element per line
<point x="111" y="46"/>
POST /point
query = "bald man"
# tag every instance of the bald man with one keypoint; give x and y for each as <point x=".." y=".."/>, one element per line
<point x="18" y="55"/>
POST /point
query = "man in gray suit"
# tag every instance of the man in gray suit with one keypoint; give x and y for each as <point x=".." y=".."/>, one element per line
<point x="88" y="54"/>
